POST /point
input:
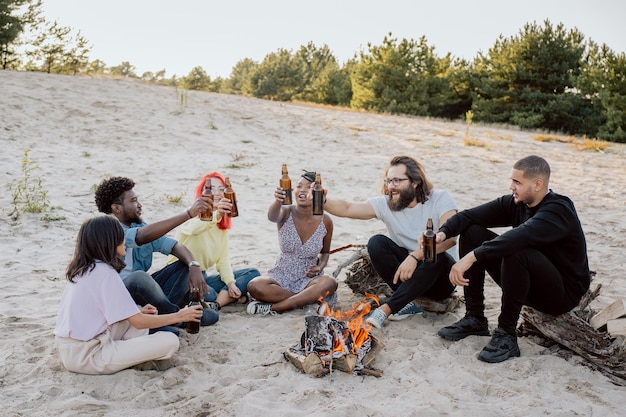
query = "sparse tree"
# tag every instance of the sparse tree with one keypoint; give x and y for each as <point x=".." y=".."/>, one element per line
<point x="197" y="79"/>
<point x="96" y="66"/>
<point x="50" y="47"/>
<point x="403" y="77"/>
<point x="240" y="76"/>
<point x="278" y="77"/>
<point x="15" y="17"/>
<point x="125" y="69"/>
<point x="76" y="58"/>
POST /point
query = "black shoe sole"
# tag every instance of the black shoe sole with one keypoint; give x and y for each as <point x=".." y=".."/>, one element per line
<point x="458" y="336"/>
<point x="491" y="358"/>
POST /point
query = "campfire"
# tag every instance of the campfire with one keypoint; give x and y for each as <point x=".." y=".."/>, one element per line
<point x="339" y="340"/>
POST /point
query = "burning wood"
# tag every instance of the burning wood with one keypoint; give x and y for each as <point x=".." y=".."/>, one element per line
<point x="337" y="340"/>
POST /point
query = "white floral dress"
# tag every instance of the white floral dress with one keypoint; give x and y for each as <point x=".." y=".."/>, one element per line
<point x="296" y="257"/>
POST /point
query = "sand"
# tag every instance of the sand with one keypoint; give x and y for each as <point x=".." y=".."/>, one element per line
<point x="83" y="129"/>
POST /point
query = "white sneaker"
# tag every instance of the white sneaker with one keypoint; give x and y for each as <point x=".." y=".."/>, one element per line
<point x="257" y="307"/>
<point x="377" y="318"/>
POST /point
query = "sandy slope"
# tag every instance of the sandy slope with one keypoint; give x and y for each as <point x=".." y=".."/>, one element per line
<point x="82" y="129"/>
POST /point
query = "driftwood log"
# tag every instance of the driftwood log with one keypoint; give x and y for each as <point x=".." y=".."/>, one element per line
<point x="572" y="331"/>
<point x="362" y="278"/>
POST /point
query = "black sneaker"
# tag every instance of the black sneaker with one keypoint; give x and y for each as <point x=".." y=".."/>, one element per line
<point x="502" y="346"/>
<point x="467" y="326"/>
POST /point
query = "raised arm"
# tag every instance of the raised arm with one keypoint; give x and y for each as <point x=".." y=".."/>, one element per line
<point x="277" y="213"/>
<point x="352" y="210"/>
<point x="153" y="231"/>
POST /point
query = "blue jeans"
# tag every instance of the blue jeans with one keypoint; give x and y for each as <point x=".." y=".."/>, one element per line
<point x="242" y="278"/>
<point x="145" y="290"/>
<point x="174" y="280"/>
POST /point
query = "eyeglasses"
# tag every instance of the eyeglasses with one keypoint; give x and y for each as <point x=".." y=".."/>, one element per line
<point x="395" y="181"/>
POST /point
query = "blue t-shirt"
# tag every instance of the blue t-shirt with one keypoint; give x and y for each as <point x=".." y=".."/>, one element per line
<point x="139" y="257"/>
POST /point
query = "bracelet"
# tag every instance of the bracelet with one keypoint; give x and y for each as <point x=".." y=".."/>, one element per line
<point x="189" y="214"/>
<point x="411" y="255"/>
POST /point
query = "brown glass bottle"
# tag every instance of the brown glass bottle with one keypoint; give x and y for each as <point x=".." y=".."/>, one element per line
<point x="430" y="243"/>
<point x="208" y="193"/>
<point x="318" y="195"/>
<point x="285" y="184"/>
<point x="230" y="194"/>
<point x="193" y="327"/>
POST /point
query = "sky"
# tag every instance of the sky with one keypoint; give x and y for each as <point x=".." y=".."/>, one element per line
<point x="178" y="35"/>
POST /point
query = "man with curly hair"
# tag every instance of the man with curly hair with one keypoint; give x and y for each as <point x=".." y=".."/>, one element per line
<point x="168" y="288"/>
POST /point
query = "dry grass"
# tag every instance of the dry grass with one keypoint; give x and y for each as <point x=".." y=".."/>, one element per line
<point x="236" y="162"/>
<point x="469" y="141"/>
<point x="585" y="144"/>
<point x="491" y="135"/>
<point x="595" y="145"/>
<point x="554" y="138"/>
<point x="174" y="199"/>
<point x="359" y="129"/>
<point x="446" y="134"/>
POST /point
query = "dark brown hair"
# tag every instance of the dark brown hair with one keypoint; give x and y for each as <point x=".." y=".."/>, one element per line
<point x="534" y="166"/>
<point x="98" y="239"/>
<point x="416" y="173"/>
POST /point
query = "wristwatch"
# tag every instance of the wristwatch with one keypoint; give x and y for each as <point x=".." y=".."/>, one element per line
<point x="194" y="263"/>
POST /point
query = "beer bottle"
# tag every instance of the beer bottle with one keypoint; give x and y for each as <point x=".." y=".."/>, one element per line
<point x="193" y="327"/>
<point x="207" y="192"/>
<point x="430" y="243"/>
<point x="318" y="195"/>
<point x="285" y="184"/>
<point x="230" y="194"/>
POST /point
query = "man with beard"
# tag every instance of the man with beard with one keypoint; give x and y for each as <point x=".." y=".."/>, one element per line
<point x="541" y="262"/>
<point x="408" y="201"/>
<point x="168" y="288"/>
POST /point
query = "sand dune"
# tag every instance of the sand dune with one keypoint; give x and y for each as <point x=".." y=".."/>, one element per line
<point x="81" y="130"/>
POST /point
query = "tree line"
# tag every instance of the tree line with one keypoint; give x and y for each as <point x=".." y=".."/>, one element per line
<point x="544" y="77"/>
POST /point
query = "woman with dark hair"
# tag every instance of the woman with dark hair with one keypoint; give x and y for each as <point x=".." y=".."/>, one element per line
<point x="208" y="242"/>
<point x="100" y="329"/>
<point x="297" y="278"/>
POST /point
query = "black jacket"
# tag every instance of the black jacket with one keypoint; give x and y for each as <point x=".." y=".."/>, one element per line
<point x="552" y="227"/>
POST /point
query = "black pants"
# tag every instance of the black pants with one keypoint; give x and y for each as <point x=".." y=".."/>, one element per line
<point x="526" y="277"/>
<point x="429" y="280"/>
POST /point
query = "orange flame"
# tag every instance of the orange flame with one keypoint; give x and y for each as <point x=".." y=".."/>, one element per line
<point x="354" y="319"/>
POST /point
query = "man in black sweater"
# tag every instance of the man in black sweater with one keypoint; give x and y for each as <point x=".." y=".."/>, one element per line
<point x="541" y="262"/>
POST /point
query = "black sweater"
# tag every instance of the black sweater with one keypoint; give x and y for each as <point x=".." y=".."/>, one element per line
<point x="552" y="227"/>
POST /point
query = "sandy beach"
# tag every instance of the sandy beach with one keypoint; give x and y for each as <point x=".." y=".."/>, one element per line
<point x="81" y="130"/>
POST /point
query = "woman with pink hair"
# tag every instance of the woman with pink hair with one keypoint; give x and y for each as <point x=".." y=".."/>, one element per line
<point x="208" y="242"/>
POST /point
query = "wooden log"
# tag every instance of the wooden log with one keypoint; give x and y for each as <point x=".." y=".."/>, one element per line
<point x="444" y="306"/>
<point x="576" y="334"/>
<point x="370" y="371"/>
<point x="345" y="363"/>
<point x="309" y="363"/>
<point x="615" y="310"/>
<point x="376" y="347"/>
<point x="354" y="257"/>
<point x="616" y="327"/>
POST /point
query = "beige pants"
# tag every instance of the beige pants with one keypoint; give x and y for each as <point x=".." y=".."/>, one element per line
<point x="119" y="347"/>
